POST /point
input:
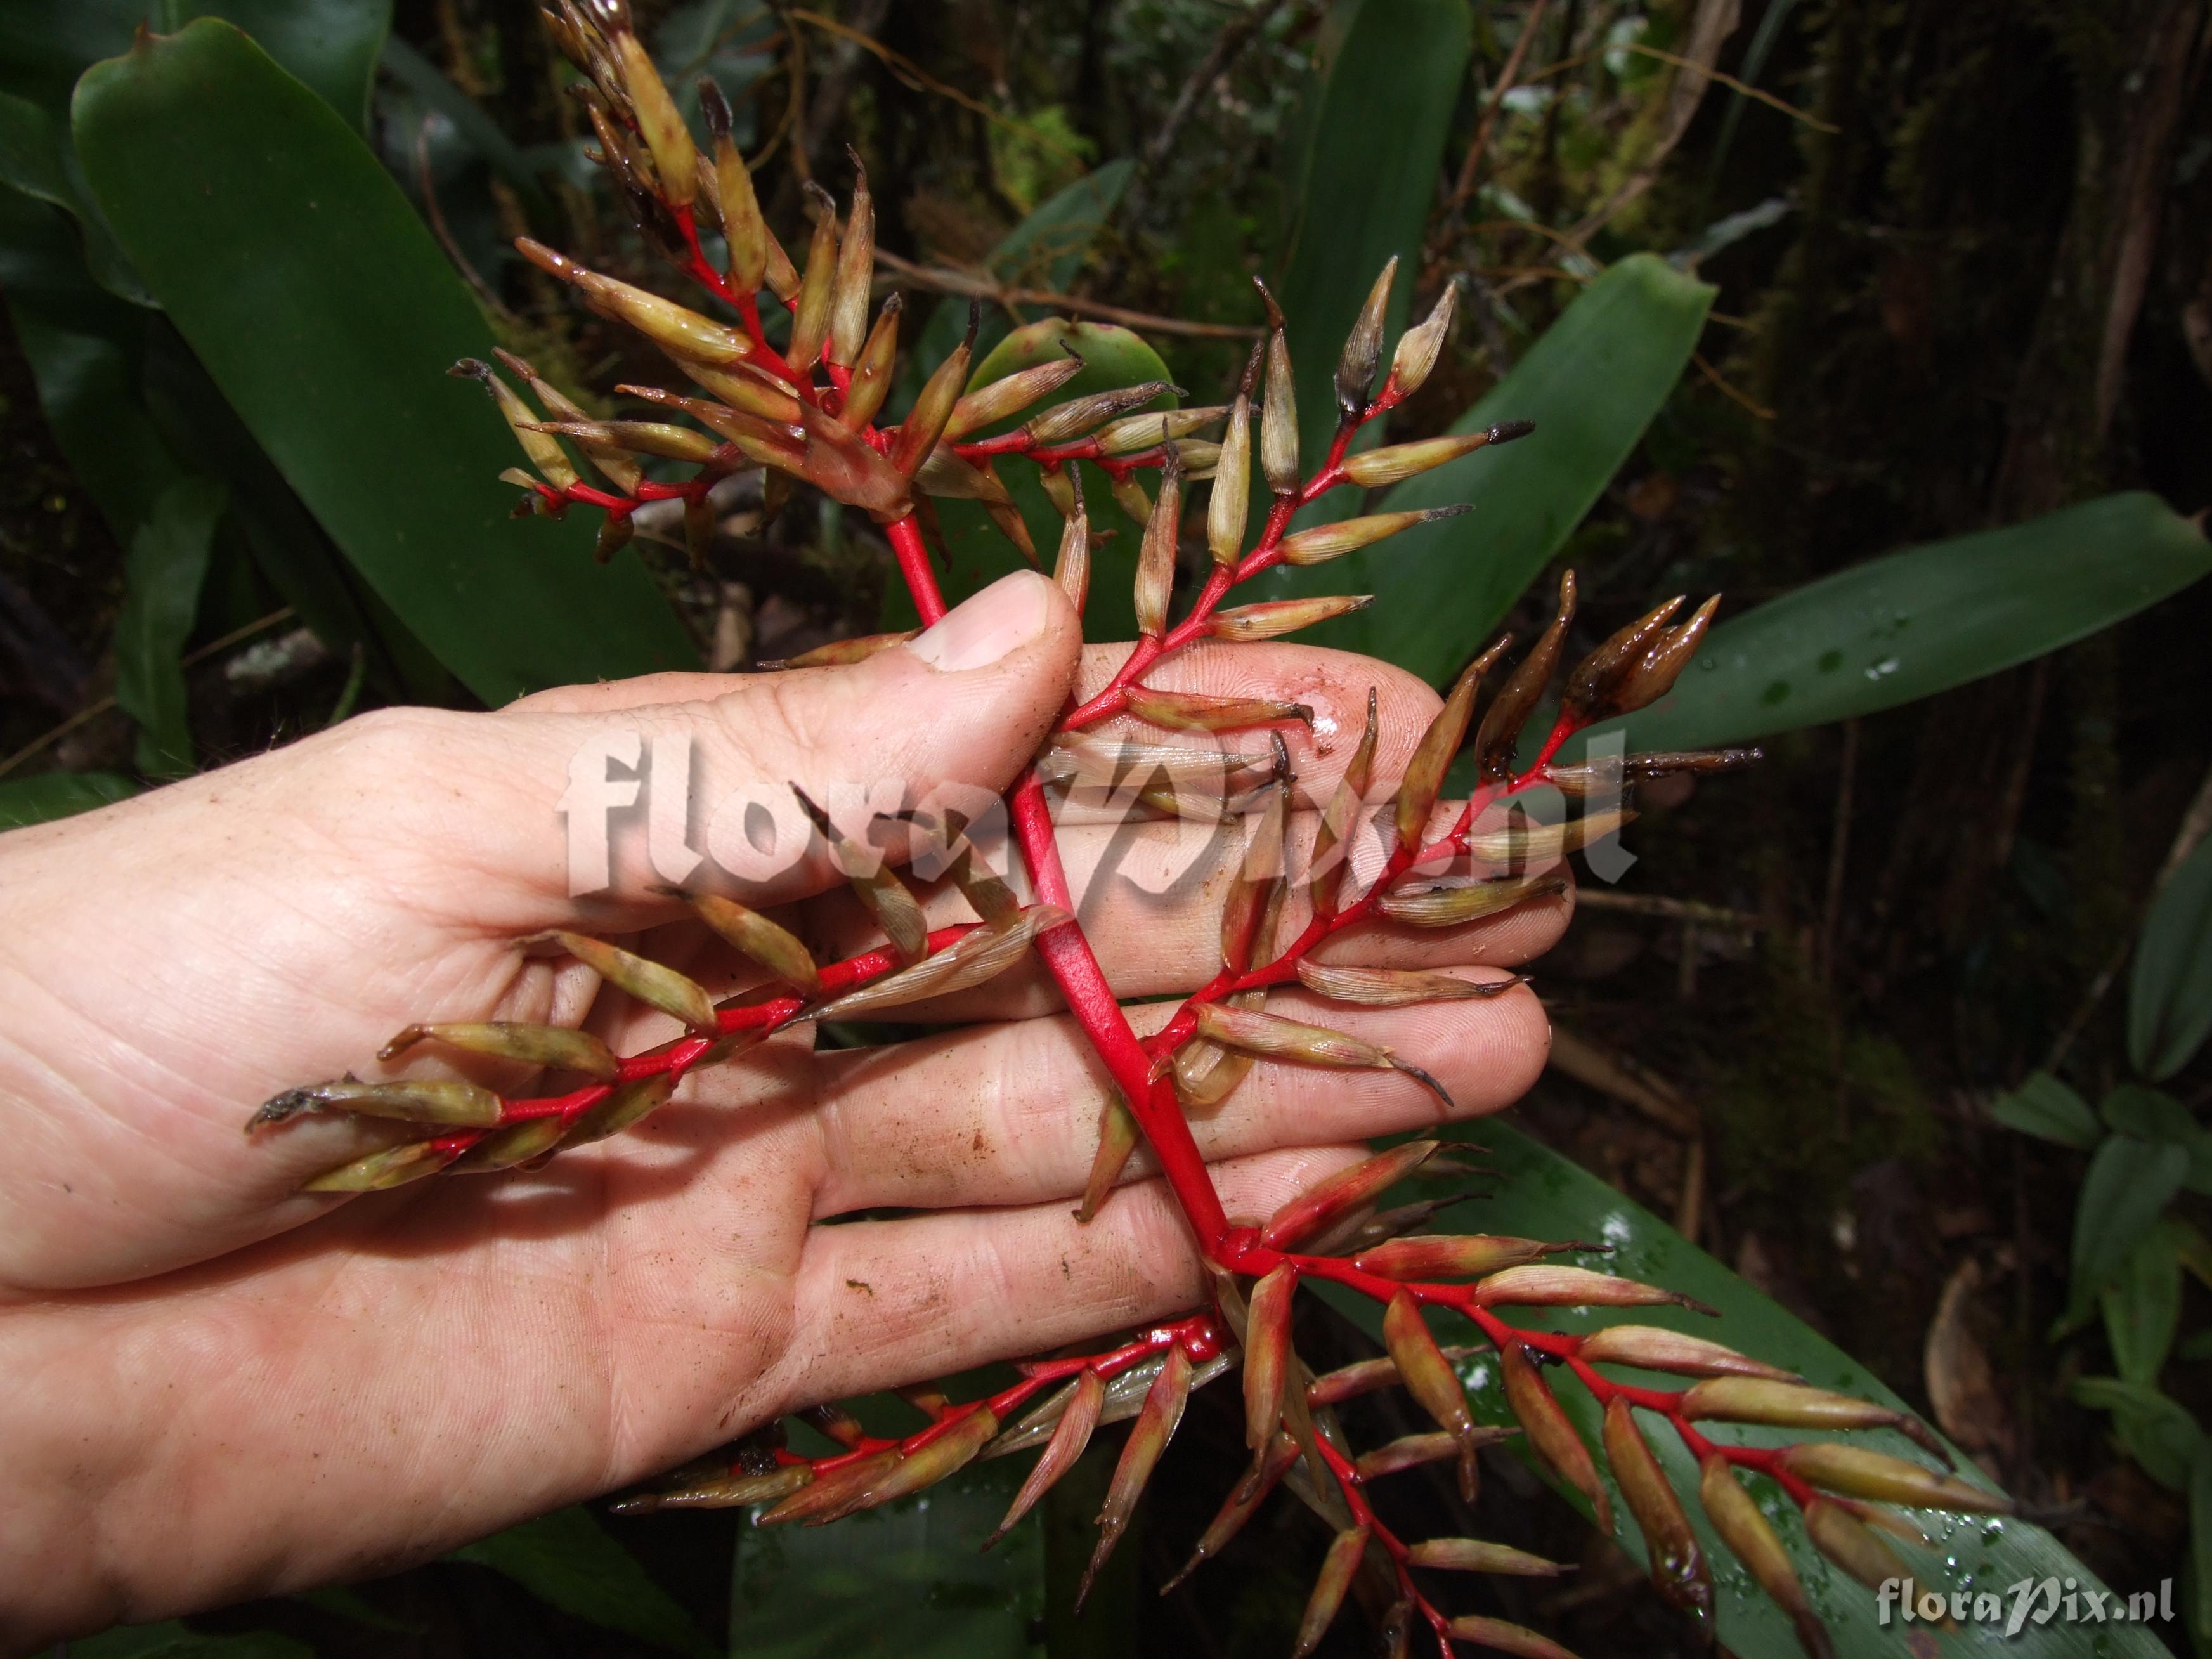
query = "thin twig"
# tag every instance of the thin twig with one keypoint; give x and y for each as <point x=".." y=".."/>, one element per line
<point x="938" y="279"/>
<point x="1728" y="391"/>
<point x="921" y="81"/>
<point x="1506" y="77"/>
<point x="1839" y="841"/>
<point x="95" y="710"/>
<point x="1227" y="47"/>
<point x="437" y="218"/>
<point x="1671" y="909"/>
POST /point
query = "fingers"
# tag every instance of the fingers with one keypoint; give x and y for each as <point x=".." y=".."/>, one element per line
<point x="541" y="806"/>
<point x="1009" y="1114"/>
<point x="882" y="1301"/>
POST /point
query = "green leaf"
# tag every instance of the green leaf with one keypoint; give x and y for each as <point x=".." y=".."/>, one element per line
<point x="170" y="1640"/>
<point x="568" y="1560"/>
<point x="1540" y="1194"/>
<point x="58" y="795"/>
<point x="162" y="576"/>
<point x="909" y="1580"/>
<point x="2142" y="1306"/>
<point x="2170" y="992"/>
<point x="323" y="309"/>
<point x="2044" y="1106"/>
<point x="1911" y="623"/>
<point x="1592" y="384"/>
<point x="1391" y="74"/>
<point x="2129" y="1185"/>
<point x="2158" y="1431"/>
<point x="2149" y="1114"/>
<point x="979" y="555"/>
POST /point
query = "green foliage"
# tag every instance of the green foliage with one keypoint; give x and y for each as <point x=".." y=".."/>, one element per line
<point x="322" y="308"/>
<point x="567" y="1559"/>
<point x="167" y="563"/>
<point x="58" y="795"/>
<point x="1915" y="622"/>
<point x="1391" y="72"/>
<point x="2047" y="1109"/>
<point x="2170" y="993"/>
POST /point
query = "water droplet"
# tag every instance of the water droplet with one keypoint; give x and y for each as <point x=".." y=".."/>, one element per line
<point x="1775" y="692"/>
<point x="1830" y="661"/>
<point x="1884" y="669"/>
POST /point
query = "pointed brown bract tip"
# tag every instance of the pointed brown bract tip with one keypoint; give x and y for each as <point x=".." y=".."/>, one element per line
<point x="1267" y="299"/>
<point x="472" y="368"/>
<point x="1506" y="431"/>
<point x="1427" y="1081"/>
<point x="400" y="1044"/>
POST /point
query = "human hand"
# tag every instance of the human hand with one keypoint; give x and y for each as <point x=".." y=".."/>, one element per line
<point x="419" y="1367"/>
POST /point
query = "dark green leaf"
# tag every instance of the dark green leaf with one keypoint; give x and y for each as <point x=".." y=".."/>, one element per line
<point x="907" y="1580"/>
<point x="2158" y="1433"/>
<point x="1441" y="588"/>
<point x="567" y="1559"/>
<point x="2149" y="1114"/>
<point x="2143" y="1305"/>
<point x="1915" y="622"/>
<point x="2170" y="993"/>
<point x="1391" y="72"/>
<point x="2129" y="1185"/>
<point x="324" y="312"/>
<point x="161" y="575"/>
<point x="2047" y="1107"/>
<point x="58" y="795"/>
<point x="1540" y="1194"/>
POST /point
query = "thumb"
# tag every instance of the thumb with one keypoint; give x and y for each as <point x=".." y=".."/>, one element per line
<point x="604" y="806"/>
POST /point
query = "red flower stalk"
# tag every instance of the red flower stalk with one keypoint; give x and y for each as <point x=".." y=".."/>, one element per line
<point x="806" y="414"/>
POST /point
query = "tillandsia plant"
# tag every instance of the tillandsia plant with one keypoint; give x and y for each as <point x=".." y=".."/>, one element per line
<point x="807" y="412"/>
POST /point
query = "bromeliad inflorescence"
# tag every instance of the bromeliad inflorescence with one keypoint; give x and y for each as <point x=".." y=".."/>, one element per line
<point x="807" y="413"/>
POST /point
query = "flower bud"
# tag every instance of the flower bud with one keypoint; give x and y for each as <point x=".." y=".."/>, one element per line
<point x="1518" y="698"/>
<point x="1548" y="1286"/>
<point x="896" y="910"/>
<point x="543" y="449"/>
<point x="1431" y="1380"/>
<point x="556" y="1045"/>
<point x="871" y="373"/>
<point x="1445" y="1255"/>
<point x="1362" y="349"/>
<point x="1736" y="1518"/>
<point x="758" y="415"/>
<point x="674" y="157"/>
<point x="1495" y="1636"/>
<point x="1473" y="1555"/>
<point x="1193" y="711"/>
<point x="743" y="226"/>
<point x="856" y="271"/>
<point x="675" y="329"/>
<point x="1155" y="1426"/>
<point x="1432" y="757"/>
<point x="754" y="937"/>
<point x="1345" y="1551"/>
<point x="1794" y="1406"/>
<point x="838" y="1493"/>
<point x="1132" y="434"/>
<point x="1652" y="1349"/>
<point x="977" y="956"/>
<point x="646" y="982"/>
<point x="839" y="653"/>
<point x="1227" y="509"/>
<point x="1852" y="1545"/>
<point x="1267" y="1353"/>
<point x="627" y="1103"/>
<point x="928" y="1464"/>
<point x="1450" y="904"/>
<point x="1071" y="570"/>
<point x="1395" y="987"/>
<point x="1679" y="1572"/>
<point x="1325" y="542"/>
<point x="926" y="423"/>
<point x="674" y="443"/>
<point x="740" y="1490"/>
<point x="1654" y="678"/>
<point x="1855" y="1473"/>
<point x="1272" y="1037"/>
<point x="1074" y="418"/>
<point x="532" y="1139"/>
<point x="810" y="317"/>
<point x="1118" y="1135"/>
<point x="1156" y="555"/>
<point x="378" y="1172"/>
<point x="450" y="1104"/>
<point x="986" y="405"/>
<point x="1420" y="347"/>
<point x="1279" y="419"/>
<point x="1552" y="1435"/>
<point x="1323" y="1204"/>
<point x="1069" y="1437"/>
<point x="1395" y="462"/>
<point x="1598" y="677"/>
<point x="1271" y="619"/>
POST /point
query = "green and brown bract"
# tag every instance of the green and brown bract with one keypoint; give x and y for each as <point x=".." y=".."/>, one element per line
<point x="806" y="414"/>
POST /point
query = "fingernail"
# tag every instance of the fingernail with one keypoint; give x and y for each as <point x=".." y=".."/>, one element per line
<point x="1001" y="619"/>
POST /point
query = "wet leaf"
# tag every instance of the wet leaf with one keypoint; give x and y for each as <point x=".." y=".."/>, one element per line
<point x="2170" y="989"/>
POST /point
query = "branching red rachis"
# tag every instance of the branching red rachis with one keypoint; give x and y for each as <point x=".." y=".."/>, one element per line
<point x="805" y="412"/>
